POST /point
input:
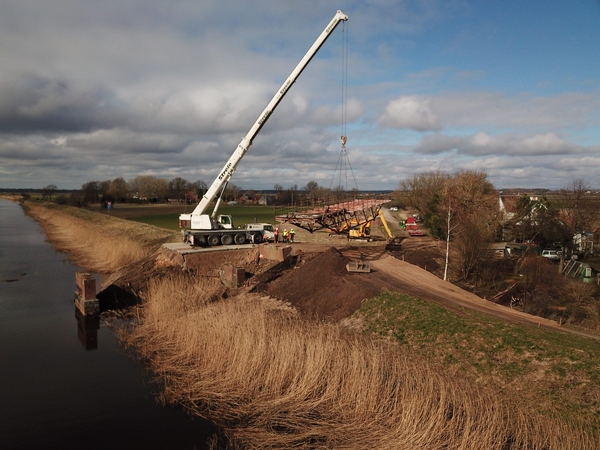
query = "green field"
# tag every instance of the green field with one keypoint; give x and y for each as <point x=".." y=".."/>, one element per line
<point x="167" y="216"/>
<point x="538" y="363"/>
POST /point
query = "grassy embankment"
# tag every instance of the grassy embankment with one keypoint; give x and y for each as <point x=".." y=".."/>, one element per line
<point x="280" y="382"/>
<point x="554" y="371"/>
<point x="98" y="242"/>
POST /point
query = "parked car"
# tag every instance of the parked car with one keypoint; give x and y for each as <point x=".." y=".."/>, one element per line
<point x="551" y="254"/>
<point x="393" y="208"/>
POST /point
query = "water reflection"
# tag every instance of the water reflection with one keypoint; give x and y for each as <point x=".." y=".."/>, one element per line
<point x="53" y="395"/>
<point x="87" y="330"/>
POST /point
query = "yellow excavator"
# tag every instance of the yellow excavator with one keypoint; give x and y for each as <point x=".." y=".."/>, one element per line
<point x="363" y="230"/>
<point x="360" y="232"/>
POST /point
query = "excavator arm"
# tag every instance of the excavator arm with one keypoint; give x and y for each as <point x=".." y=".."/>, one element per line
<point x="385" y="225"/>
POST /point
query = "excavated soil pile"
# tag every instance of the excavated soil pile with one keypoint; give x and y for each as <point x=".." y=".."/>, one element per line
<point x="321" y="287"/>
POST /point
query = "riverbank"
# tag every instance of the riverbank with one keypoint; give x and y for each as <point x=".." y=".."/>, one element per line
<point x="275" y="380"/>
<point x="66" y="381"/>
<point x="98" y="242"/>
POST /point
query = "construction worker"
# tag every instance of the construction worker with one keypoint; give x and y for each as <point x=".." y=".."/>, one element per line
<point x="285" y="235"/>
<point x="276" y="235"/>
<point x="292" y="233"/>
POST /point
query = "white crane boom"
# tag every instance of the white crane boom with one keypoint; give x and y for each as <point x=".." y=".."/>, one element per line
<point x="198" y="219"/>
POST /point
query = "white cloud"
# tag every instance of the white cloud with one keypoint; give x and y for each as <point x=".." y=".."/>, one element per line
<point x="410" y="112"/>
<point x="482" y="144"/>
<point x="439" y="143"/>
<point x="518" y="111"/>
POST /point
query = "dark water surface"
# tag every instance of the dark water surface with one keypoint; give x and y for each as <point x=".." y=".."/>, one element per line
<point x="62" y="386"/>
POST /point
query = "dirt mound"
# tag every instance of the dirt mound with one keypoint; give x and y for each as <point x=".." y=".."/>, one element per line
<point x="321" y="287"/>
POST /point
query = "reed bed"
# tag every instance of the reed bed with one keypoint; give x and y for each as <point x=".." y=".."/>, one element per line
<point x="252" y="366"/>
<point x="279" y="382"/>
<point x="97" y="242"/>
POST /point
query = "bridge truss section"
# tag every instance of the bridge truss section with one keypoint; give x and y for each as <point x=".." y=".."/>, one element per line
<point x="338" y="218"/>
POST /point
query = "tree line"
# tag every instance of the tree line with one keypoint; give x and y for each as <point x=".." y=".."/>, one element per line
<point x="151" y="189"/>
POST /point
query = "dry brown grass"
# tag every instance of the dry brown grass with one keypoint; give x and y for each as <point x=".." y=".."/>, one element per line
<point x="279" y="382"/>
<point x="97" y="242"/>
<point x="252" y="366"/>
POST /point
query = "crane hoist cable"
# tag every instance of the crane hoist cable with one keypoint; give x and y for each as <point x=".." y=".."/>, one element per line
<point x="343" y="166"/>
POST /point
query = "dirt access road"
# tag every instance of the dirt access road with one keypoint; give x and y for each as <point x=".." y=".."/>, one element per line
<point x="412" y="280"/>
<point x="390" y="272"/>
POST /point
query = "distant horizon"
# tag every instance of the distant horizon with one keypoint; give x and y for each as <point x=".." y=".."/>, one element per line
<point x="300" y="188"/>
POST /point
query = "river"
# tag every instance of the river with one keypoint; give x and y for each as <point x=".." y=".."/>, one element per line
<point x="65" y="383"/>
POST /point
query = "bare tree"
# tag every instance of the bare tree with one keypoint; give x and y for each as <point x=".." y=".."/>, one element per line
<point x="479" y="218"/>
<point x="201" y="187"/>
<point x="278" y="193"/>
<point x="147" y="187"/>
<point x="423" y="193"/>
<point x="48" y="192"/>
<point x="580" y="209"/>
<point x="159" y="188"/>
<point x="339" y="192"/>
<point x="104" y="187"/>
<point x="91" y="192"/>
<point x="468" y="206"/>
<point x="450" y="204"/>
<point x="179" y="188"/>
<point x="312" y="189"/>
<point x="232" y="192"/>
<point x="118" y="189"/>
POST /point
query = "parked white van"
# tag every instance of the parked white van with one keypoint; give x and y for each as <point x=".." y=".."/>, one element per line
<point x="266" y="228"/>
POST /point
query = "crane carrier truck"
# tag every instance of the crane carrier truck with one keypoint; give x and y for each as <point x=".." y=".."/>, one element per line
<point x="200" y="228"/>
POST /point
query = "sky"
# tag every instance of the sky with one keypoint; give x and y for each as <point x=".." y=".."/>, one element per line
<point x="95" y="90"/>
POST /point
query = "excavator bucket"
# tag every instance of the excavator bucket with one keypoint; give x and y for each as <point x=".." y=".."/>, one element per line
<point x="358" y="266"/>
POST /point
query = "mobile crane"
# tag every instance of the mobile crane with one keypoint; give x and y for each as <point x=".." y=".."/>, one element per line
<point x="200" y="228"/>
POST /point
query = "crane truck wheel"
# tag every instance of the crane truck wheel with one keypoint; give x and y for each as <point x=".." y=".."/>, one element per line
<point x="213" y="240"/>
<point x="198" y="240"/>
<point x="240" y="239"/>
<point x="227" y="239"/>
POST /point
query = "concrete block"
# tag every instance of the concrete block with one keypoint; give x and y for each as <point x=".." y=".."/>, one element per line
<point x="284" y="252"/>
<point x="86" y="285"/>
<point x="87" y="307"/>
<point x="232" y="277"/>
<point x="85" y="295"/>
<point x="275" y="252"/>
